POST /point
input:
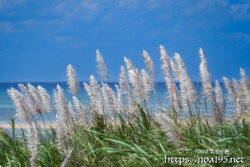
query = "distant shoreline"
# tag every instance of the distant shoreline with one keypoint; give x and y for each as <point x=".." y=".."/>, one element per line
<point x="26" y="126"/>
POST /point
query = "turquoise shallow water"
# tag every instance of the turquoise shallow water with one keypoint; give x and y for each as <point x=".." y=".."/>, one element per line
<point x="7" y="107"/>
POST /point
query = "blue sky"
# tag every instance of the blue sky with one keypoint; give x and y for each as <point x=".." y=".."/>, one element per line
<point x="38" y="39"/>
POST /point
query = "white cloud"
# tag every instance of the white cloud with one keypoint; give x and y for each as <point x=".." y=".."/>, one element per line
<point x="237" y="36"/>
<point x="83" y="9"/>
<point x="241" y="11"/>
<point x="90" y="5"/>
<point x="7" y="27"/>
<point x="6" y="4"/>
<point x="65" y="12"/>
<point x="127" y="3"/>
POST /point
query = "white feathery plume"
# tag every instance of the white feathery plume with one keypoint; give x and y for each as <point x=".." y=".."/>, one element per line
<point x="241" y="94"/>
<point x="108" y="98"/>
<point x="239" y="90"/>
<point x="38" y="131"/>
<point x="148" y="61"/>
<point x="244" y="77"/>
<point x="126" y="89"/>
<point x="61" y="105"/>
<point x="72" y="80"/>
<point x="188" y="91"/>
<point x="81" y="112"/>
<point x="175" y="70"/>
<point x="239" y="110"/>
<point x="183" y="89"/>
<point x="115" y="103"/>
<point x="102" y="69"/>
<point x="97" y="99"/>
<point x="245" y="84"/>
<point x="169" y="126"/>
<point x="31" y="101"/>
<point x="220" y="99"/>
<point x="27" y="94"/>
<point x="95" y="86"/>
<point x="207" y="87"/>
<point x="45" y="100"/>
<point x="166" y="69"/>
<point x="192" y="94"/>
<point x="61" y="131"/>
<point x="119" y="102"/>
<point x="130" y="102"/>
<point x="32" y="145"/>
<point x="35" y="94"/>
<point x="208" y="90"/>
<point x="95" y="94"/>
<point x="72" y="113"/>
<point x="165" y="60"/>
<point x="232" y="96"/>
<point x="66" y="160"/>
<point x="37" y="107"/>
<point x="244" y="80"/>
<point x="92" y="97"/>
<point x="136" y="81"/>
<point x="129" y="63"/>
<point x="147" y="83"/>
<point x="114" y="97"/>
<point x="22" y="109"/>
<point x="123" y="81"/>
<point x="89" y="92"/>
<point x="172" y="89"/>
<point x="237" y="87"/>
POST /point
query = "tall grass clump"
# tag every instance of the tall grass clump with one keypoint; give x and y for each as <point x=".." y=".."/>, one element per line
<point x="122" y="127"/>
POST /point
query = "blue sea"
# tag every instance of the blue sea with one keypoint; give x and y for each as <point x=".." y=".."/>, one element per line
<point x="7" y="107"/>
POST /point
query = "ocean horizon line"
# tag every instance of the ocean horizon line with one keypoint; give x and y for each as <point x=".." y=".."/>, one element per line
<point x="64" y="82"/>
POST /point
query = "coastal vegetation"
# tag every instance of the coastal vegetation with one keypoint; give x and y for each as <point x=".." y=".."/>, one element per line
<point x="122" y="127"/>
